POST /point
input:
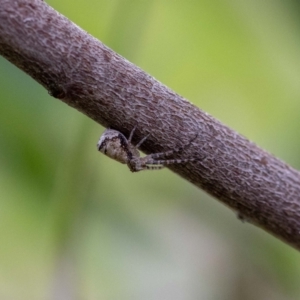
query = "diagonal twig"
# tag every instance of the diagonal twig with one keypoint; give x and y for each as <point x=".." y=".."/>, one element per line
<point x="79" y="70"/>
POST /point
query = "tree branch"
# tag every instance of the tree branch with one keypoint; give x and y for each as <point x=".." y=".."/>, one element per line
<point x="79" y="70"/>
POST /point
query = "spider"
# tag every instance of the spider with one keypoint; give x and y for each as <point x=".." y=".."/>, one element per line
<point x="115" y="145"/>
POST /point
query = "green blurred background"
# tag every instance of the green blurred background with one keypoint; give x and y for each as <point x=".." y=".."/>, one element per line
<point x="77" y="225"/>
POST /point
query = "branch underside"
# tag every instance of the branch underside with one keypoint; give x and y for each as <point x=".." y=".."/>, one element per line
<point x="79" y="70"/>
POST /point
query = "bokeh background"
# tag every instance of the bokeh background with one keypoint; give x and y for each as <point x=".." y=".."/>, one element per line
<point x="77" y="225"/>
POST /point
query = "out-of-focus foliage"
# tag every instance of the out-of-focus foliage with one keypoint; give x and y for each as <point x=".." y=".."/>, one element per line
<point x="76" y="225"/>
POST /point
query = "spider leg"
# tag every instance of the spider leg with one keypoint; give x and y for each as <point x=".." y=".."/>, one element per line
<point x="158" y="155"/>
<point x="154" y="161"/>
<point x="157" y="167"/>
<point x="142" y="141"/>
<point x="166" y="153"/>
<point x="184" y="147"/>
<point x="131" y="134"/>
<point x="148" y="163"/>
<point x="167" y="161"/>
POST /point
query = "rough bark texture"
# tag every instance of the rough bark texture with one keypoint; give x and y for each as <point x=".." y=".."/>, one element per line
<point x="79" y="70"/>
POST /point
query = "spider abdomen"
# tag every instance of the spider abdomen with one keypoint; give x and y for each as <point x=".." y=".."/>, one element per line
<point x="115" y="145"/>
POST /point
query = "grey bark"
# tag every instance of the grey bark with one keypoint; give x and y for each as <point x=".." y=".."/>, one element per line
<point x="79" y="70"/>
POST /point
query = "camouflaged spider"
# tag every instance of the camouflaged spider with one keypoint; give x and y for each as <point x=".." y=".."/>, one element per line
<point x="115" y="145"/>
